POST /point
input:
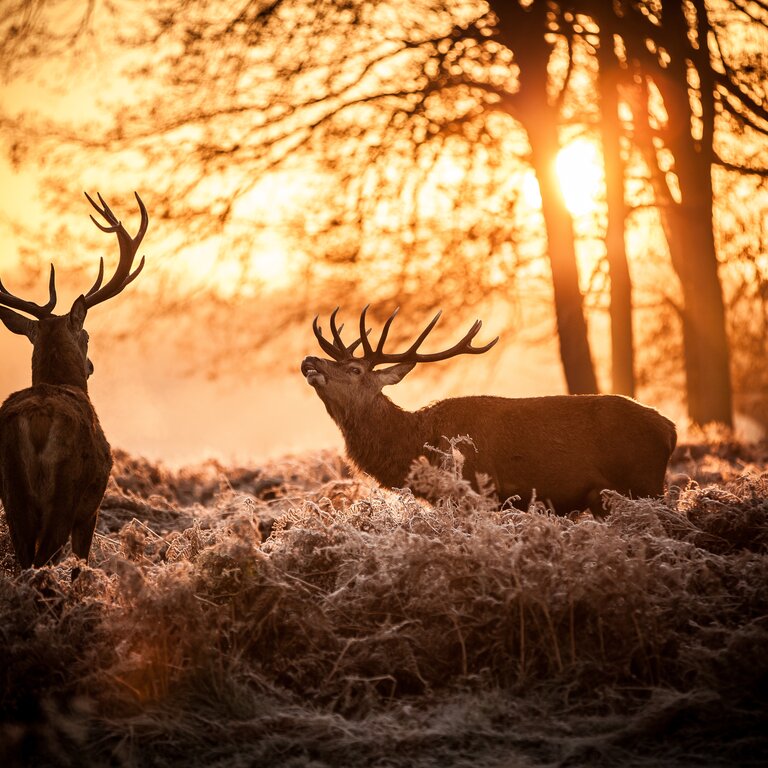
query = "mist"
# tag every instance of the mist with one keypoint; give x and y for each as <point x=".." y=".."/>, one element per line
<point x="150" y="405"/>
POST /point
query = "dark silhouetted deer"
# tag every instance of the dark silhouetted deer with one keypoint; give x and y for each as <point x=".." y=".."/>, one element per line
<point x="54" y="458"/>
<point x="566" y="449"/>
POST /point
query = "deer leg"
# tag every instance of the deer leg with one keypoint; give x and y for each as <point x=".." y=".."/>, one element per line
<point x="49" y="547"/>
<point x="85" y="519"/>
<point x="56" y="518"/>
<point x="23" y="532"/>
<point x="21" y="513"/>
<point x="82" y="536"/>
<point x="595" y="503"/>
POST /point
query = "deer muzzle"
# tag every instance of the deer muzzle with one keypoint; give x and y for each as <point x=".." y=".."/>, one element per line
<point x="311" y="369"/>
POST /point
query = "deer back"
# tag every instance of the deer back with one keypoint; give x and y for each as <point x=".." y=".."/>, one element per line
<point x="568" y="448"/>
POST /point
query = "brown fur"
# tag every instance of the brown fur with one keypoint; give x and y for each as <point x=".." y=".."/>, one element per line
<point x="566" y="449"/>
<point x="54" y="458"/>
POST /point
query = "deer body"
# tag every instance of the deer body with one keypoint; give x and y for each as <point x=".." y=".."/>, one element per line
<point x="54" y="458"/>
<point x="566" y="449"/>
<point x="54" y="467"/>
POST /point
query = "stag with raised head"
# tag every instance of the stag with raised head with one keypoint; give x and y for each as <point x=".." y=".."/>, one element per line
<point x="54" y="458"/>
<point x="566" y="449"/>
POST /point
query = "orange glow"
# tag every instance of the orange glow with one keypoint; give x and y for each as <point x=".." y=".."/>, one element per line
<point x="580" y="173"/>
<point x="530" y="190"/>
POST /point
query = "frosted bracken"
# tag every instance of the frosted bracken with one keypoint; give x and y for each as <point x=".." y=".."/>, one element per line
<point x="294" y="615"/>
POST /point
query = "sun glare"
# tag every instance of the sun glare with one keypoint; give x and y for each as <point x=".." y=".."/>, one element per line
<point x="531" y="190"/>
<point x="580" y="172"/>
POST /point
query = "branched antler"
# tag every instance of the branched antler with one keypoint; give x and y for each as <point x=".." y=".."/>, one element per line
<point x="128" y="247"/>
<point x="36" y="310"/>
<point x="340" y="351"/>
<point x="336" y="350"/>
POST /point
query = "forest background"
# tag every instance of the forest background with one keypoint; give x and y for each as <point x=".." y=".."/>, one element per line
<point x="588" y="178"/>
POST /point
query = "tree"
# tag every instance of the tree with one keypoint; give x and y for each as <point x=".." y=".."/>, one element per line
<point x="32" y="31"/>
<point x="610" y="79"/>
<point x="523" y="29"/>
<point x="679" y="51"/>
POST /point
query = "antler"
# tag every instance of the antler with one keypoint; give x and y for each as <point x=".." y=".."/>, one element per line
<point x="339" y="351"/>
<point x="36" y="310"/>
<point x="128" y="247"/>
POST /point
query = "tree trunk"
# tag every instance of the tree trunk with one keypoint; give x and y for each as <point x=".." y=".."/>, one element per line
<point x="705" y="342"/>
<point x="523" y="30"/>
<point x="691" y="242"/>
<point x="569" y="312"/>
<point x="622" y="342"/>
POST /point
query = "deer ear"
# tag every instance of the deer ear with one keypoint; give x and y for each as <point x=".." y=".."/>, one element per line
<point x="77" y="314"/>
<point x="19" y="324"/>
<point x="395" y="373"/>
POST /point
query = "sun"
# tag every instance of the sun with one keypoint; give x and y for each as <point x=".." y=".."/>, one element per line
<point x="580" y="173"/>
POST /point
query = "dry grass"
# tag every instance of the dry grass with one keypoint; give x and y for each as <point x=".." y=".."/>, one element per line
<point x="292" y="615"/>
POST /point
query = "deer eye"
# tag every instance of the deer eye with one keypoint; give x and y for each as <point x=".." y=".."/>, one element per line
<point x="355" y="371"/>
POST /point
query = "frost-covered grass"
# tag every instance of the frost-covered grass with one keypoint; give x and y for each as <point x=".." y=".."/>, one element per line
<point x="293" y="615"/>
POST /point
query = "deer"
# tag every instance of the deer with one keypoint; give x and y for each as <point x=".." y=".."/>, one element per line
<point x="564" y="450"/>
<point x="55" y="460"/>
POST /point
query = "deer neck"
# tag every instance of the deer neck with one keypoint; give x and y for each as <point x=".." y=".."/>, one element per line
<point x="381" y="438"/>
<point x="60" y="365"/>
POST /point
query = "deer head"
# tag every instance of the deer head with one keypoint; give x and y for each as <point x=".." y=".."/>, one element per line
<point x="348" y="379"/>
<point x="60" y="342"/>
